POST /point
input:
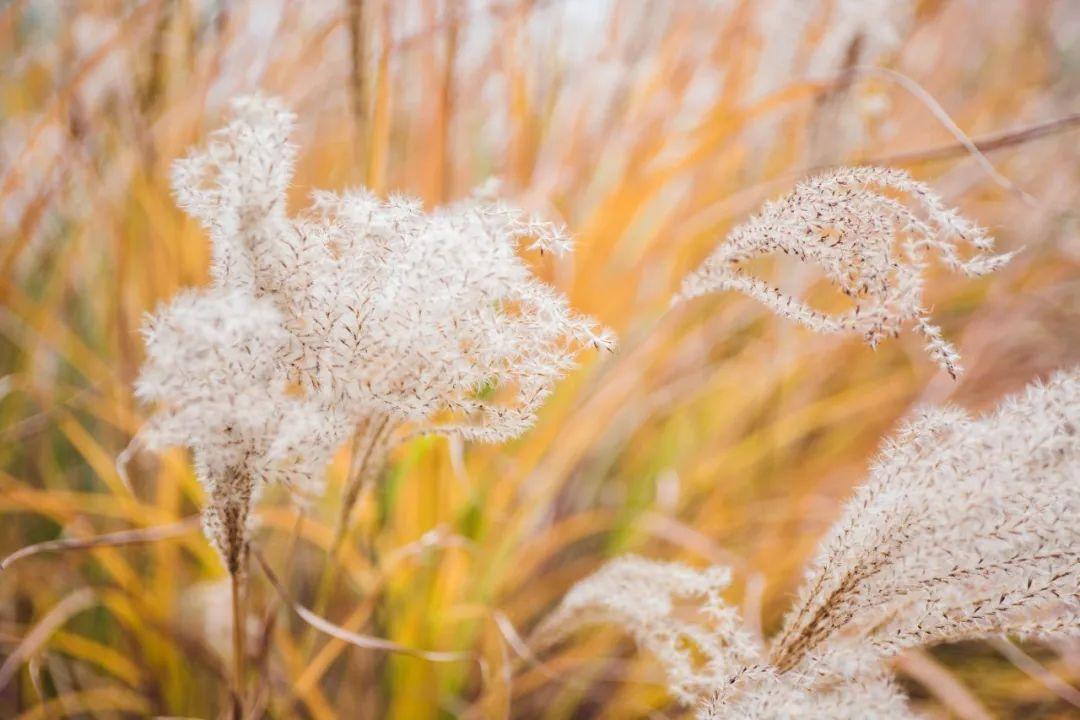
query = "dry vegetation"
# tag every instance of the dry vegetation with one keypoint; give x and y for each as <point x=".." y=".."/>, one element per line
<point x="717" y="433"/>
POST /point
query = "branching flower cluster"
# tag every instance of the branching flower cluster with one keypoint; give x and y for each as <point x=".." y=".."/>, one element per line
<point x="390" y="310"/>
<point x="211" y="369"/>
<point x="873" y="247"/>
<point x="368" y="315"/>
<point x="966" y="528"/>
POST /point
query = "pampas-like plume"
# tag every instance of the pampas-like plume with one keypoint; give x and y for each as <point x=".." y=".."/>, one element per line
<point x="359" y="316"/>
<point x="382" y="315"/>
<point x="872" y="246"/>
<point x="211" y="370"/>
<point x="965" y="529"/>
<point x="393" y="317"/>
<point x="642" y="595"/>
<point x="391" y="312"/>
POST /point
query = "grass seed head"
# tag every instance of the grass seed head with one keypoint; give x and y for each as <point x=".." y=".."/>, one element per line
<point x="871" y="246"/>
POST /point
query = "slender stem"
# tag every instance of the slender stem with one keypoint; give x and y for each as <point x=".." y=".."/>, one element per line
<point x="358" y="81"/>
<point x="261" y="652"/>
<point x="327" y="578"/>
<point x="362" y="469"/>
<point x="359" y="471"/>
<point x="238" y="644"/>
<point x="988" y="143"/>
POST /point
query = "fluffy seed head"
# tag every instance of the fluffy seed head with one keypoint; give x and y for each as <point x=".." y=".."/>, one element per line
<point x="212" y="373"/>
<point x="873" y="247"/>
<point x="966" y="528"/>
<point x="426" y="318"/>
<point x="643" y="596"/>
<point x="359" y="314"/>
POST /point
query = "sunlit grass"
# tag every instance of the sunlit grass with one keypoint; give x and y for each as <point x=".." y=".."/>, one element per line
<point x="715" y="433"/>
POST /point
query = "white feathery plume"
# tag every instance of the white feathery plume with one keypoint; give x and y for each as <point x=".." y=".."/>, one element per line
<point x="843" y="685"/>
<point x="871" y="246"/>
<point x="378" y="315"/>
<point x="393" y="313"/>
<point x="642" y="596"/>
<point x="211" y="371"/>
<point x="965" y="529"/>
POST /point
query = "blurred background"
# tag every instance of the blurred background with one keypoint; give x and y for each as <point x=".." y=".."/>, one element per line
<point x="715" y="434"/>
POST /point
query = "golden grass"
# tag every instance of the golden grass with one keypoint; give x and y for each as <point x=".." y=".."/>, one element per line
<point x="715" y="433"/>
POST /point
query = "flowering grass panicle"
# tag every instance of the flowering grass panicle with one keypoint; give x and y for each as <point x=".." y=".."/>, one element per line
<point x="642" y="596"/>
<point x="435" y="319"/>
<point x="965" y="529"/>
<point x="843" y="685"/>
<point x="873" y="247"/>
<point x="378" y="315"/>
<point x="212" y="371"/>
<point x="395" y="317"/>
<point x="358" y="317"/>
<point x="236" y="189"/>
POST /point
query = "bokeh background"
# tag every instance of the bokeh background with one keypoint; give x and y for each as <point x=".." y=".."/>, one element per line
<point x="715" y="434"/>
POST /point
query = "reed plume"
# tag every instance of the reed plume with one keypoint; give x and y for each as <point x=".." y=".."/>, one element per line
<point x="211" y="372"/>
<point x="395" y="318"/>
<point x="873" y="247"/>
<point x="966" y="528"/>
<point x="358" y="316"/>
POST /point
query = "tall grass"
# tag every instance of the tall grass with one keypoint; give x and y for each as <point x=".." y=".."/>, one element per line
<point x="717" y="432"/>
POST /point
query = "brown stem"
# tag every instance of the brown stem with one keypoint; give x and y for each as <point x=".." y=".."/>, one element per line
<point x="445" y="112"/>
<point x="988" y="143"/>
<point x="358" y="85"/>
<point x="238" y="644"/>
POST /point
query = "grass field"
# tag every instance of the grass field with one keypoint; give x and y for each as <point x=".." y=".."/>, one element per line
<point x="716" y="432"/>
